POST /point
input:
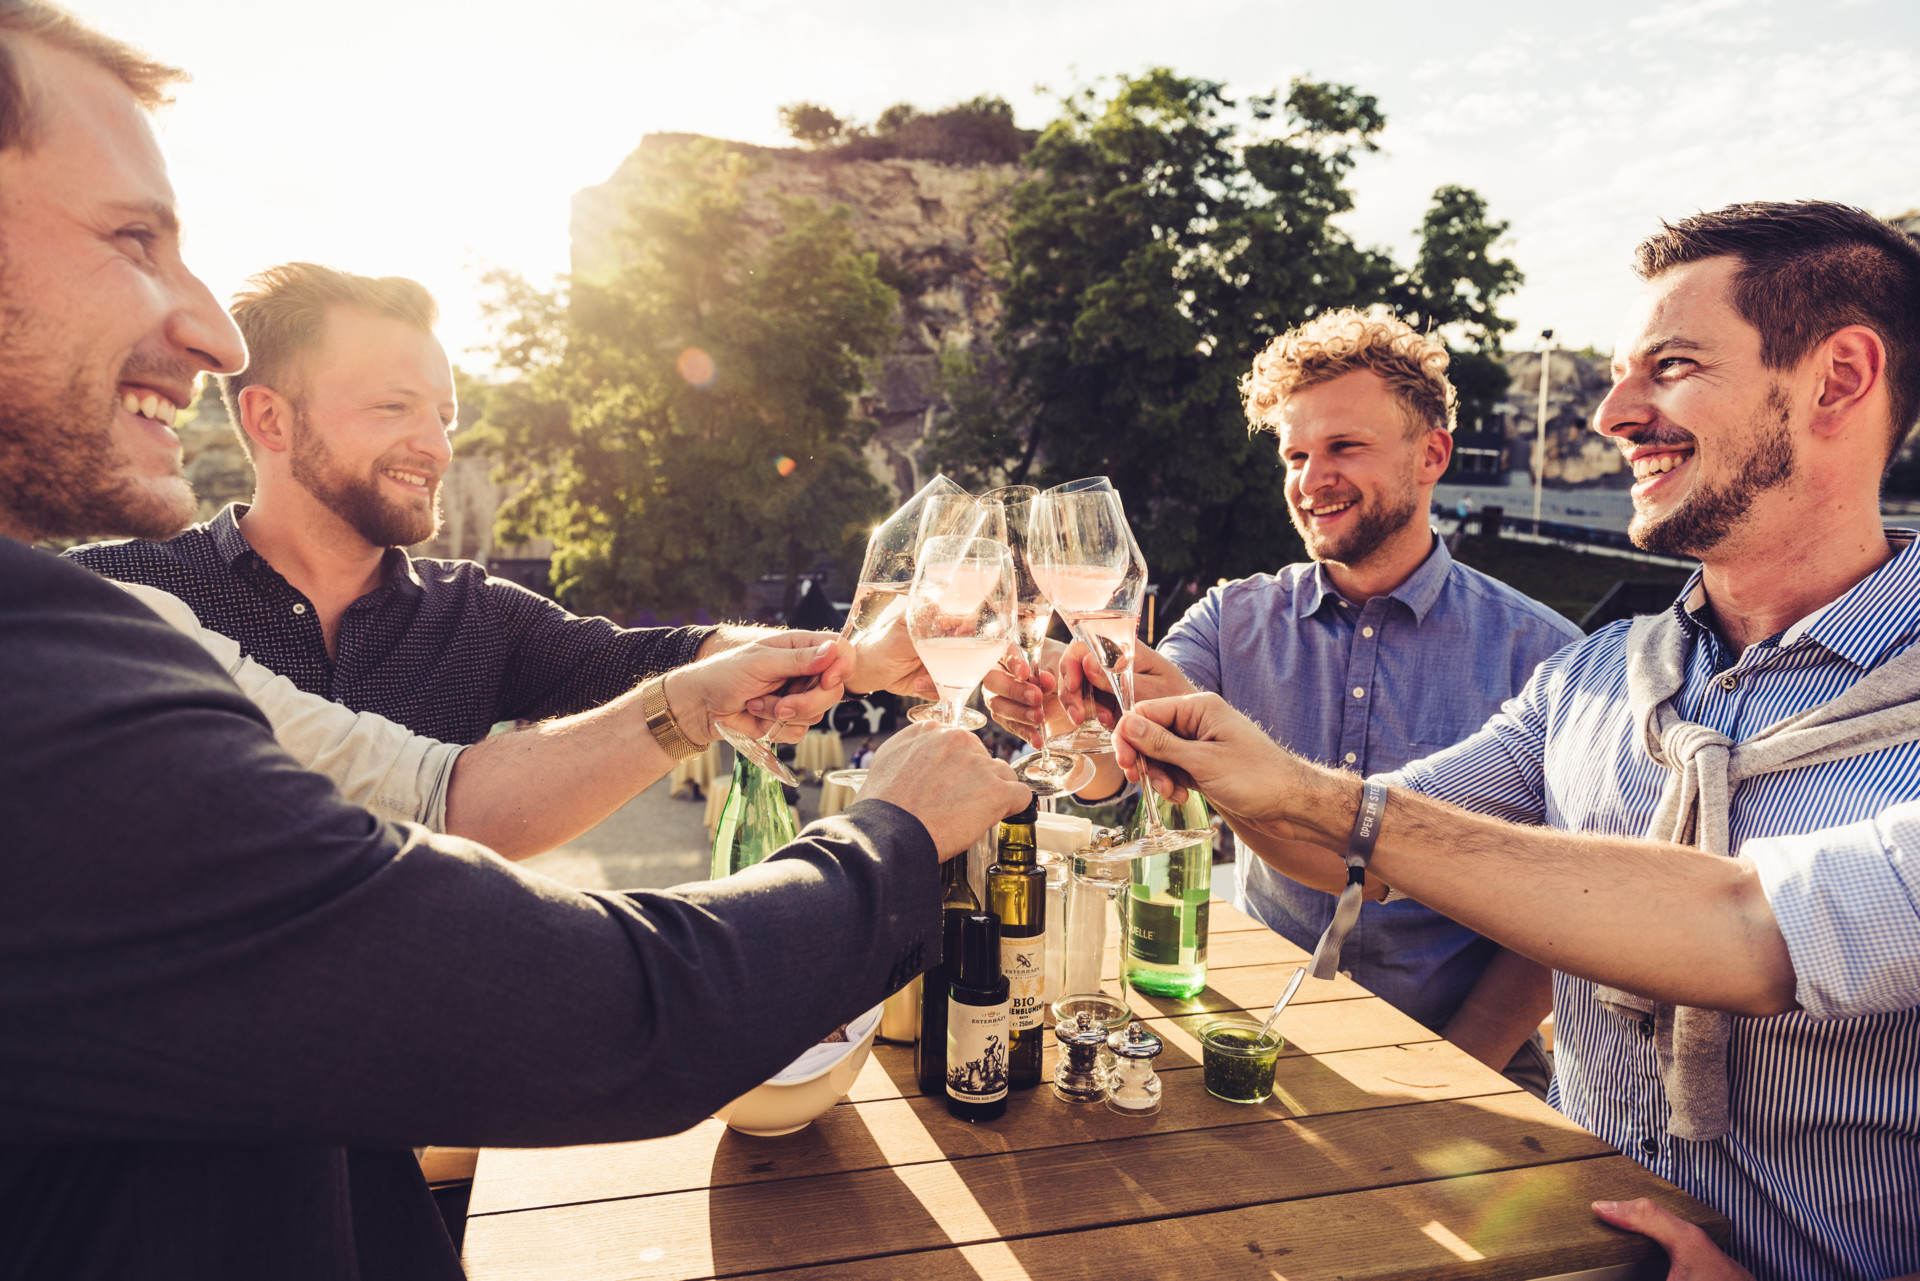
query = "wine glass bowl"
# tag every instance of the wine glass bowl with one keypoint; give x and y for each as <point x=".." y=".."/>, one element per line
<point x="960" y="618"/>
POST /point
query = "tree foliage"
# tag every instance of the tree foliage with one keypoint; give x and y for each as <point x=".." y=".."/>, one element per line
<point x="686" y="426"/>
<point x="1168" y="232"/>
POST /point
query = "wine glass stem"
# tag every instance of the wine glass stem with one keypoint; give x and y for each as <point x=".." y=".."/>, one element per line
<point x="1123" y="695"/>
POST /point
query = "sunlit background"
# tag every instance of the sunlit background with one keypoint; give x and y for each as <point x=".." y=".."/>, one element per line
<point x="390" y="136"/>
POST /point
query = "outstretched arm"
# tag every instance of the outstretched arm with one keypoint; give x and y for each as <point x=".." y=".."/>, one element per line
<point x="1665" y="921"/>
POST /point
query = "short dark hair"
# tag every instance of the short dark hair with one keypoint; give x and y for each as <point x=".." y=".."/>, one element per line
<point x="146" y="79"/>
<point x="1809" y="268"/>
<point x="282" y="313"/>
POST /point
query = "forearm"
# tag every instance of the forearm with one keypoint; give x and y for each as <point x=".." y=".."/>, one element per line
<point x="523" y="793"/>
<point x="1503" y="1009"/>
<point x="732" y="636"/>
<point x="1664" y="921"/>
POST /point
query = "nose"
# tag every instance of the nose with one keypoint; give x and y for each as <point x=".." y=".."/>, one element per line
<point x="431" y="437"/>
<point x="1315" y="473"/>
<point x="1625" y="410"/>
<point x="200" y="327"/>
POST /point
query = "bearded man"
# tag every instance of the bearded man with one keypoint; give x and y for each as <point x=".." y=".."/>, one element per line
<point x="345" y="410"/>
<point x="1379" y="650"/>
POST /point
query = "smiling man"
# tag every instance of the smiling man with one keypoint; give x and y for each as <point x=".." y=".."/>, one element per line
<point x="1380" y="649"/>
<point x="1769" y="371"/>
<point x="345" y="410"/>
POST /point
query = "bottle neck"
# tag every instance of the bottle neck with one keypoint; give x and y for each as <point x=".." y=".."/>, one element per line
<point x="1018" y="846"/>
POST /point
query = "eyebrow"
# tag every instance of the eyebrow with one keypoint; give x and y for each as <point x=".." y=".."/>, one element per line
<point x="1671" y="344"/>
<point x="162" y="214"/>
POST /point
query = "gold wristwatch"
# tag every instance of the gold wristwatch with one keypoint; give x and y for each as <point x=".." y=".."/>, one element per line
<point x="661" y="724"/>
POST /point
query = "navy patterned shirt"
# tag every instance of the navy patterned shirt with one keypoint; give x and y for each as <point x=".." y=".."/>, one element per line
<point x="439" y="646"/>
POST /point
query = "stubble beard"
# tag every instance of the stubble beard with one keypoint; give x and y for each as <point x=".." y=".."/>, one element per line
<point x="1377" y="523"/>
<point x="1710" y="513"/>
<point x="357" y="500"/>
<point x="62" y="473"/>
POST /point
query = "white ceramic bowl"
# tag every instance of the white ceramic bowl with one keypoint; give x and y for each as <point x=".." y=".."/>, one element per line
<point x="791" y="1099"/>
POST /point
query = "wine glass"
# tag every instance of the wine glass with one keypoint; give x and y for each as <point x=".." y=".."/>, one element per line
<point x="957" y="516"/>
<point x="1047" y="772"/>
<point x="960" y="616"/>
<point x="1099" y="582"/>
<point x="879" y="597"/>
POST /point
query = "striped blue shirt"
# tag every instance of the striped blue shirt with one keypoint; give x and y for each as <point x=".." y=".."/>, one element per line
<point x="1820" y="1166"/>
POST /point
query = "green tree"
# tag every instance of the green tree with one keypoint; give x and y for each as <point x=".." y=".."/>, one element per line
<point x="686" y="426"/>
<point x="1169" y="231"/>
<point x="812" y="125"/>
<point x="1455" y="282"/>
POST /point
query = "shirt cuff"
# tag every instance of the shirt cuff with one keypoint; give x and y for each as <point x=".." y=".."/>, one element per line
<point x="1847" y="901"/>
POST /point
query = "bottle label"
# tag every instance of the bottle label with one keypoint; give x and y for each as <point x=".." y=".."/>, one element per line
<point x="977" y="1052"/>
<point x="1153" y="932"/>
<point x="1024" y="962"/>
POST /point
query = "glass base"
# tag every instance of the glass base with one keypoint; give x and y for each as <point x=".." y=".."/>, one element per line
<point x="1054" y="775"/>
<point x="761" y="754"/>
<point x="1158" y="843"/>
<point x="1086" y="738"/>
<point x="847" y="777"/>
<point x="937" y="713"/>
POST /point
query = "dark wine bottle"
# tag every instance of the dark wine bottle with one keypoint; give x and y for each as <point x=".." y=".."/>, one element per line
<point x="957" y="902"/>
<point x="1017" y="894"/>
<point x="977" y="1024"/>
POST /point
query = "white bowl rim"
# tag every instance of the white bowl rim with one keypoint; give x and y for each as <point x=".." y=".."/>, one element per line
<point x="858" y="1030"/>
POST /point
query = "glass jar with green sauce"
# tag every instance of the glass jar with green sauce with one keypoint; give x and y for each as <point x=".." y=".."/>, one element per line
<point x="1236" y="1066"/>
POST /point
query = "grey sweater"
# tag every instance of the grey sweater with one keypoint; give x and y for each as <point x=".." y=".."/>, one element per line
<point x="229" y="999"/>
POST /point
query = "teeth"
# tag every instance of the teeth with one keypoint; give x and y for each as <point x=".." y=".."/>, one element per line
<point x="1329" y="510"/>
<point x="153" y="406"/>
<point x="1657" y="465"/>
<point x="129" y="402"/>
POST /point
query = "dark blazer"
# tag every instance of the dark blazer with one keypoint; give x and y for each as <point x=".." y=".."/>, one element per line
<point x="217" y="977"/>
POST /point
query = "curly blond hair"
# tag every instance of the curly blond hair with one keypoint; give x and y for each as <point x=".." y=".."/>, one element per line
<point x="1413" y="365"/>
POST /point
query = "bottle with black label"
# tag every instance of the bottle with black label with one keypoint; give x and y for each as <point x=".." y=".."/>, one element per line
<point x="1017" y="894"/>
<point x="977" y="1028"/>
<point x="957" y="902"/>
<point x="1166" y="908"/>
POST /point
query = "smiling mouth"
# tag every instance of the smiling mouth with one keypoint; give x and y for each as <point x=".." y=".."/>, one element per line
<point x="150" y="405"/>
<point x="1324" y="510"/>
<point x="1653" y="465"/>
<point x="417" y="481"/>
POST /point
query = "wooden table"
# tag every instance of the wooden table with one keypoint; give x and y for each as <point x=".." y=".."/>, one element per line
<point x="1384" y="1152"/>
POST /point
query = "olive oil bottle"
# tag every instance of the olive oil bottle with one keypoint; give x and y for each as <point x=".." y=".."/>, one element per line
<point x="1017" y="894"/>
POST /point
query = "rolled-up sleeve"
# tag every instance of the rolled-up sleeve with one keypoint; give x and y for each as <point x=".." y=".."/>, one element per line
<point x="1847" y="900"/>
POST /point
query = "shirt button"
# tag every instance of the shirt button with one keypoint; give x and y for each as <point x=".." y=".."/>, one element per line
<point x="1351" y="758"/>
<point x="299" y="607"/>
<point x="1366" y="631"/>
<point x="1729" y="682"/>
<point x="1650" y="1147"/>
<point x="1646" y="1029"/>
<point x="1358" y="692"/>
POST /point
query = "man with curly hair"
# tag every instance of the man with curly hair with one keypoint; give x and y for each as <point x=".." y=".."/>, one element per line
<point x="1379" y="650"/>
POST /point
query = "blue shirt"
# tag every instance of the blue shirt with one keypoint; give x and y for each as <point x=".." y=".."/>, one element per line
<point x="1821" y="1159"/>
<point x="1368" y="688"/>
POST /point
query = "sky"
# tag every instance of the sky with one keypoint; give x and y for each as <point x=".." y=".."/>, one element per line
<point x="398" y="137"/>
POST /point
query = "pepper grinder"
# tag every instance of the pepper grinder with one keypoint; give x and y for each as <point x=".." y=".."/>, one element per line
<point x="1077" y="1077"/>
<point x="1136" y="1087"/>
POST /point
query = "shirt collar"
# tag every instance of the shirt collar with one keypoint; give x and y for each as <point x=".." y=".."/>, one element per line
<point x="1859" y="625"/>
<point x="1418" y="593"/>
<point x="396" y="569"/>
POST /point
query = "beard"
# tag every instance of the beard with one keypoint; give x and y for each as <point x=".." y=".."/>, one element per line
<point x="1711" y="512"/>
<point x="1376" y="522"/>
<point x="376" y="516"/>
<point x="62" y="472"/>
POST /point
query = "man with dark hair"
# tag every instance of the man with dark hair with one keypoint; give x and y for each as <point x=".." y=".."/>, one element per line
<point x="233" y="1001"/>
<point x="1779" y="697"/>
<point x="345" y="411"/>
<point x="1378" y="649"/>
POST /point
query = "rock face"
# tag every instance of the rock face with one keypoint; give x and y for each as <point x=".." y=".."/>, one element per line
<point x="1577" y="456"/>
<point x="938" y="228"/>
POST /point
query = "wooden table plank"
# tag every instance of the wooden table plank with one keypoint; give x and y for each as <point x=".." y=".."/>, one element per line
<point x="932" y="1203"/>
<point x="903" y="1130"/>
<point x="1524" y="1223"/>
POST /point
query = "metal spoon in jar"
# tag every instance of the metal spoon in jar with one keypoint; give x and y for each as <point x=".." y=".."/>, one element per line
<point x="1293" y="985"/>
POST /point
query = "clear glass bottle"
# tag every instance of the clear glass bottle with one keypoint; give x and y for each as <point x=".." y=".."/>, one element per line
<point x="1166" y="907"/>
<point x="755" y="821"/>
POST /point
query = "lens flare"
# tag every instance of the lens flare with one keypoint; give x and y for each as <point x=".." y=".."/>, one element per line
<point x="784" y="465"/>
<point x="696" y="367"/>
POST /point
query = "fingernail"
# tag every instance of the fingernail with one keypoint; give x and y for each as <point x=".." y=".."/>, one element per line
<point x="1605" y="1207"/>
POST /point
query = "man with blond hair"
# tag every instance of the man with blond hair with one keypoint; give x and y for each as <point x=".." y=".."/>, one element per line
<point x="1380" y="649"/>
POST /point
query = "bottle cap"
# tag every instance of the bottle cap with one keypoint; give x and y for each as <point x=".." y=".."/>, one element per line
<point x="979" y="951"/>
<point x="1026" y="817"/>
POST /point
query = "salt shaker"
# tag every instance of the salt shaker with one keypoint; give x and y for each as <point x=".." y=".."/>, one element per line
<point x="1077" y="1077"/>
<point x="1136" y="1087"/>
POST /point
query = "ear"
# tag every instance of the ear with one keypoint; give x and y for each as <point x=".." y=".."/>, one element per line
<point x="1850" y="376"/>
<point x="1436" y="451"/>
<point x="267" y="418"/>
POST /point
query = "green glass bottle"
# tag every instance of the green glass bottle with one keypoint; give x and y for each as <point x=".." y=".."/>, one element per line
<point x="1017" y="894"/>
<point x="755" y="821"/>
<point x="1166" y="907"/>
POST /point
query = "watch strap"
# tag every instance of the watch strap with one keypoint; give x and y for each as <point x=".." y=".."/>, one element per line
<point x="661" y="722"/>
<point x="1346" y="913"/>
